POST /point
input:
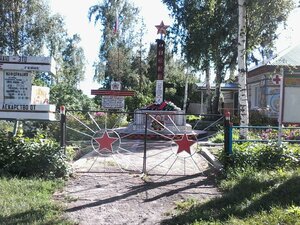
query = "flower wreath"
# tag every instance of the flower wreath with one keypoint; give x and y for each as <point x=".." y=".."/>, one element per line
<point x="157" y="123"/>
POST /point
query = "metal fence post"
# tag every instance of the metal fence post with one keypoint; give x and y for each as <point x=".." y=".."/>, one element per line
<point x="63" y="128"/>
<point x="145" y="145"/>
<point x="227" y="137"/>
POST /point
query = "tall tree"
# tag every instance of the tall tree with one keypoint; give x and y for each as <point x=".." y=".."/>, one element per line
<point x="73" y="62"/>
<point x="23" y="26"/>
<point x="244" y="117"/>
<point x="117" y="19"/>
<point x="208" y="30"/>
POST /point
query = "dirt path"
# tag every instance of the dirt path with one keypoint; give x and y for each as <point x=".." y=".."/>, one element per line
<point x="102" y="194"/>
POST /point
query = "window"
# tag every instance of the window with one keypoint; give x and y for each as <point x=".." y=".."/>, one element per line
<point x="255" y="96"/>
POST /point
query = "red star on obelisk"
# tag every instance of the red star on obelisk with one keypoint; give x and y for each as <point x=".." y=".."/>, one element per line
<point x="162" y="28"/>
<point x="184" y="144"/>
<point x="105" y="141"/>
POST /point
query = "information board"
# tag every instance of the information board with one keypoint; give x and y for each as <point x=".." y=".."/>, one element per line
<point x="17" y="87"/>
<point x="291" y="99"/>
<point x="20" y="100"/>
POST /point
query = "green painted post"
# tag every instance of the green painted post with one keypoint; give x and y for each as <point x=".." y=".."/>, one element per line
<point x="227" y="137"/>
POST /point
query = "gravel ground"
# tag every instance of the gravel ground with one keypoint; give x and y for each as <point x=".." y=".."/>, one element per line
<point x="101" y="193"/>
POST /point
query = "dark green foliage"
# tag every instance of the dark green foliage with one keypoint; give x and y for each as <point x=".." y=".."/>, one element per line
<point x="70" y="97"/>
<point x="264" y="156"/>
<point x="136" y="102"/>
<point x="257" y="118"/>
<point x="28" y="157"/>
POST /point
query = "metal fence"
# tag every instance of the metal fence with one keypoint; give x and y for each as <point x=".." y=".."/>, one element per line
<point x="145" y="141"/>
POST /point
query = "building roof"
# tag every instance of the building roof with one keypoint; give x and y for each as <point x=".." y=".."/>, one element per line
<point x="224" y="86"/>
<point x="288" y="57"/>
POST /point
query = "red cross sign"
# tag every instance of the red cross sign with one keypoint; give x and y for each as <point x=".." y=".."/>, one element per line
<point x="276" y="79"/>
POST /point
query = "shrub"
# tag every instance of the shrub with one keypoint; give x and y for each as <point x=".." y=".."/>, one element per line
<point x="258" y="118"/>
<point x="264" y="156"/>
<point x="28" y="157"/>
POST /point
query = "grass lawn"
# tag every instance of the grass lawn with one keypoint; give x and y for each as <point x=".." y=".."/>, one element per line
<point x="250" y="197"/>
<point x="29" y="201"/>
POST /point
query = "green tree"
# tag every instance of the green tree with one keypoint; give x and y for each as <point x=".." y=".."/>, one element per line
<point x="73" y="62"/>
<point x="27" y="28"/>
<point x="23" y="26"/>
<point x="72" y="98"/>
<point x="208" y="31"/>
<point x="117" y="19"/>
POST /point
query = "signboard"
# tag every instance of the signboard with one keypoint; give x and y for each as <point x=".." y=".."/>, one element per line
<point x="291" y="100"/>
<point x="18" y="99"/>
<point x="113" y="102"/>
<point x="27" y="111"/>
<point x="17" y="87"/>
<point x="159" y="91"/>
<point x="26" y="67"/>
<point x="25" y="59"/>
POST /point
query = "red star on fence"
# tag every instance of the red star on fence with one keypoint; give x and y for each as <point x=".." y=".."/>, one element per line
<point x="105" y="141"/>
<point x="184" y="144"/>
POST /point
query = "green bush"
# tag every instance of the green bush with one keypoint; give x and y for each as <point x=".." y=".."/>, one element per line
<point x="264" y="156"/>
<point x="32" y="157"/>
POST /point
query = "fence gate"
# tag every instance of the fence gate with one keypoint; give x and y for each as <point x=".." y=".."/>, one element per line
<point x="153" y="143"/>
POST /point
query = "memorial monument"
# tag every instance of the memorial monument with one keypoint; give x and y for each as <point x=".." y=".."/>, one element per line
<point x="163" y="119"/>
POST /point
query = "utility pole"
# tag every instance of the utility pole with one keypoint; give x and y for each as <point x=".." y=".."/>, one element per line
<point x="242" y="73"/>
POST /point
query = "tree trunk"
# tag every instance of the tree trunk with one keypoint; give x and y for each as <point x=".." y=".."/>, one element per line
<point x="208" y="89"/>
<point x="185" y="92"/>
<point x="243" y="101"/>
<point x="216" y="100"/>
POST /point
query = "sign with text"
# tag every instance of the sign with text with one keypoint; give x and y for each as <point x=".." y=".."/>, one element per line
<point x="160" y="59"/>
<point x="17" y="87"/>
<point x="159" y="91"/>
<point x="26" y="67"/>
<point x="25" y="59"/>
<point x="113" y="102"/>
<point x="18" y="98"/>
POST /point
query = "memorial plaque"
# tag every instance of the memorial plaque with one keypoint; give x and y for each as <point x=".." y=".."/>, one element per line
<point x="159" y="91"/>
<point x="113" y="102"/>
